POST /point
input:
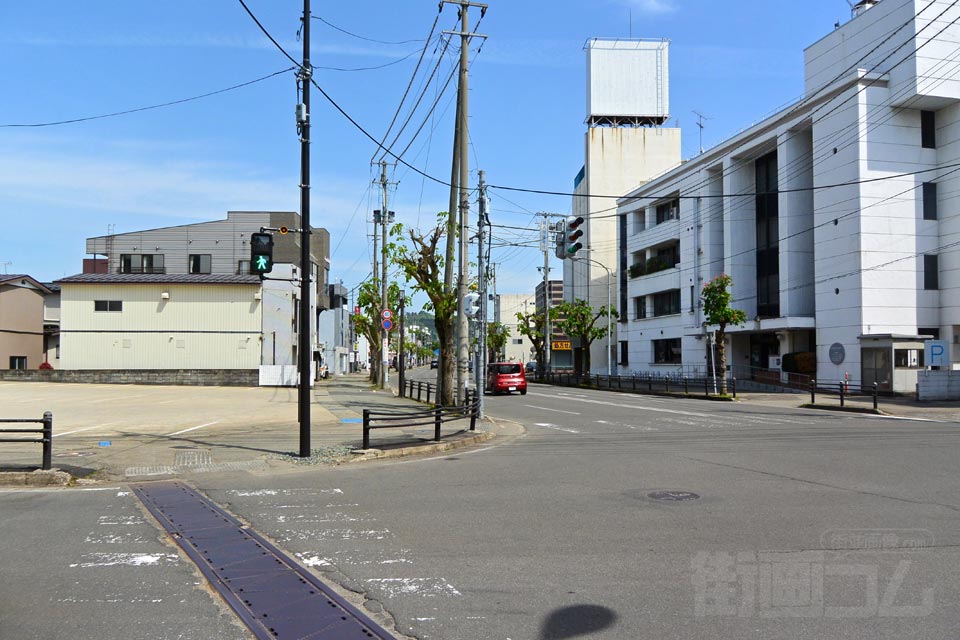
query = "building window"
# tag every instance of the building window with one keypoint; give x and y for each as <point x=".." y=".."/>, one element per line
<point x="517" y="341"/>
<point x="667" y="351"/>
<point x="670" y="255"/>
<point x="929" y="200"/>
<point x="908" y="358"/>
<point x="928" y="129"/>
<point x="668" y="211"/>
<point x="243" y="267"/>
<point x="666" y="303"/>
<point x="141" y="263"/>
<point x="18" y="362"/>
<point x="640" y="308"/>
<point x="624" y="352"/>
<point x="768" y="237"/>
<point x="639" y="221"/>
<point x="200" y="263"/>
<point x="931" y="272"/>
<point x="108" y="305"/>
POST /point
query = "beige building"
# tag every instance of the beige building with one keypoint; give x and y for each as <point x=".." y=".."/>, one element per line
<point x="509" y="305"/>
<point x="21" y="322"/>
<point x="160" y="321"/>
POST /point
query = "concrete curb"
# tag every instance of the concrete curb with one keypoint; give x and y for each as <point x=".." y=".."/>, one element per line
<point x="827" y="407"/>
<point x="38" y="478"/>
<point x="359" y="455"/>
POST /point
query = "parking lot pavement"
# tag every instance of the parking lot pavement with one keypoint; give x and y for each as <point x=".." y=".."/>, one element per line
<point x="137" y="431"/>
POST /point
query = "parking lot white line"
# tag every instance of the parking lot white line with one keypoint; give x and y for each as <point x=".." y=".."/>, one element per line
<point x="573" y="413"/>
<point x="66" y="433"/>
<point x="625" y="406"/>
<point x="199" y="426"/>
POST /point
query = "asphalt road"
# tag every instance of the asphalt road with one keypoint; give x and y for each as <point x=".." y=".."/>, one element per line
<point x="805" y="525"/>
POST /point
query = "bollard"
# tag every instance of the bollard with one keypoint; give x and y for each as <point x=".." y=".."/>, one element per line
<point x="366" y="429"/>
<point x="419" y="389"/>
<point x="437" y="413"/>
<point x="734" y="380"/>
<point x="686" y="390"/>
<point x="706" y="384"/>
<point x="474" y="409"/>
<point x="813" y="391"/>
<point x="874" y="396"/>
<point x="48" y="440"/>
<point x="666" y="385"/>
<point x="841" y="394"/>
<point x="428" y="393"/>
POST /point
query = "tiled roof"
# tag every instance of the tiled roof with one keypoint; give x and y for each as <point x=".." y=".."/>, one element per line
<point x="158" y="278"/>
<point x="10" y="277"/>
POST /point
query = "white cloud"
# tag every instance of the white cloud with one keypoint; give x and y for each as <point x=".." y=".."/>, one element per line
<point x="653" y="6"/>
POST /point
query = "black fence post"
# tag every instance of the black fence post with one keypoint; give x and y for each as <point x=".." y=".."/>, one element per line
<point x="474" y="408"/>
<point x="813" y="391"/>
<point x="619" y="382"/>
<point x="686" y="389"/>
<point x="48" y="438"/>
<point x="649" y="383"/>
<point x="875" y="396"/>
<point x="734" y="386"/>
<point x="437" y="414"/>
<point x="841" y="393"/>
<point x="419" y="389"/>
<point x="706" y="384"/>
<point x="428" y="392"/>
<point x="366" y="429"/>
<point x="666" y="385"/>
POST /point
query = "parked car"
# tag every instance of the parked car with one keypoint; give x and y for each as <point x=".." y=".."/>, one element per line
<point x="531" y="367"/>
<point x="434" y="363"/>
<point x="506" y="377"/>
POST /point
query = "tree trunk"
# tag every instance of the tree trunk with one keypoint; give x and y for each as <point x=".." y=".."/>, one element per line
<point x="447" y="365"/>
<point x="586" y="357"/>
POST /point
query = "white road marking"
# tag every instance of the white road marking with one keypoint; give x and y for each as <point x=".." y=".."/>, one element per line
<point x="130" y="559"/>
<point x="629" y="406"/>
<point x="427" y="587"/>
<point x="66" y="433"/>
<point x="574" y="413"/>
<point x="547" y="425"/>
<point x="199" y="426"/>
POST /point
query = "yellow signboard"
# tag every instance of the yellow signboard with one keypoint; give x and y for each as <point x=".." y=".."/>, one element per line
<point x="560" y="345"/>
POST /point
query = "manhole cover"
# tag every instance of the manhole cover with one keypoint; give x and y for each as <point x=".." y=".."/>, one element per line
<point x="672" y="496"/>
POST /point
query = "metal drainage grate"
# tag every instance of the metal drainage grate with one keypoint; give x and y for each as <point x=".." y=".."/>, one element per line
<point x="274" y="596"/>
<point x="672" y="496"/>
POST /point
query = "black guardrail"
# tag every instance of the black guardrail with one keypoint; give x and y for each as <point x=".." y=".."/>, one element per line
<point x="844" y="390"/>
<point x="421" y="388"/>
<point x="436" y="416"/>
<point x="46" y="432"/>
<point x="641" y="383"/>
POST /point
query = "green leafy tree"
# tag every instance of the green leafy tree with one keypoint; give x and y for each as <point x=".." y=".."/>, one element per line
<point x="367" y="322"/>
<point x="531" y="326"/>
<point x="418" y="257"/>
<point x="716" y="307"/>
<point x="578" y="320"/>
<point x="497" y="334"/>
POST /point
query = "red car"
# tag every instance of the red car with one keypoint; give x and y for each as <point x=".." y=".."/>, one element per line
<point x="505" y="377"/>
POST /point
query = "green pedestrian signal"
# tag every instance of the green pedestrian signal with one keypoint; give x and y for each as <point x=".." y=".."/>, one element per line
<point x="261" y="253"/>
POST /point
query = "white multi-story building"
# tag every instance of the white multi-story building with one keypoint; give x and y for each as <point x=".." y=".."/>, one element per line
<point x="625" y="145"/>
<point x="833" y="216"/>
<point x="509" y="305"/>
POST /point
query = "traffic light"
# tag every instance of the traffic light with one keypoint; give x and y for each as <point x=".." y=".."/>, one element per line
<point x="560" y="250"/>
<point x="574" y="235"/>
<point x="261" y="253"/>
<point x="471" y="304"/>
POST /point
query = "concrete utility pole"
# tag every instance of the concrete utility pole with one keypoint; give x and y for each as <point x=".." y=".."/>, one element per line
<point x="480" y="368"/>
<point x="545" y="247"/>
<point x="384" y="302"/>
<point x="463" y="326"/>
<point x="305" y="344"/>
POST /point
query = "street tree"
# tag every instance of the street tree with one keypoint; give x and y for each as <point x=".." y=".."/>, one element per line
<point x="533" y="327"/>
<point x="418" y="257"/>
<point x="578" y="320"/>
<point x="717" y="310"/>
<point x="367" y="322"/>
<point x="497" y="334"/>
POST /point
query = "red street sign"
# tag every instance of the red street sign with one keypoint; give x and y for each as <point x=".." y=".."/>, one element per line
<point x="386" y="314"/>
<point x="356" y="311"/>
<point x="387" y="324"/>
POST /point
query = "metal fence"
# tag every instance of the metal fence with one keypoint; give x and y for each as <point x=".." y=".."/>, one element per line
<point x="646" y="383"/>
<point x="844" y="390"/>
<point x="421" y="388"/>
<point x="436" y="416"/>
<point x="46" y="435"/>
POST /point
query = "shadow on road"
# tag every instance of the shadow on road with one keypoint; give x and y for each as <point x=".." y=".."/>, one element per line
<point x="576" y="620"/>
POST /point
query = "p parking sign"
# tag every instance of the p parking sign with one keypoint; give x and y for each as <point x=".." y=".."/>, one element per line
<point x="936" y="353"/>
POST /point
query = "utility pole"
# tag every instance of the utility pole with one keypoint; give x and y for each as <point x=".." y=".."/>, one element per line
<point x="545" y="246"/>
<point x="401" y="351"/>
<point x="305" y="343"/>
<point x="481" y="361"/>
<point x="463" y="338"/>
<point x="385" y="335"/>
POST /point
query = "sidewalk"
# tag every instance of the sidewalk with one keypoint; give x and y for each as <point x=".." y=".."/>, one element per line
<point x="236" y="430"/>
<point x="898" y="406"/>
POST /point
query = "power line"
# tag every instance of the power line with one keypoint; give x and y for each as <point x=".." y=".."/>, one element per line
<point x="155" y="106"/>
<point x="374" y="68"/>
<point x="333" y="26"/>
<point x="267" y="33"/>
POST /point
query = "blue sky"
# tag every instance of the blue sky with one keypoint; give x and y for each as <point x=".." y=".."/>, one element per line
<point x="733" y="61"/>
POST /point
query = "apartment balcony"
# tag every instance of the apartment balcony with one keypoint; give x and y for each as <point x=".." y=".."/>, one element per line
<point x="647" y="284"/>
<point x="654" y="235"/>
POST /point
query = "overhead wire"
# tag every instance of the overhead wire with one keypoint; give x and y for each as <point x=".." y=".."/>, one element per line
<point x="333" y="26"/>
